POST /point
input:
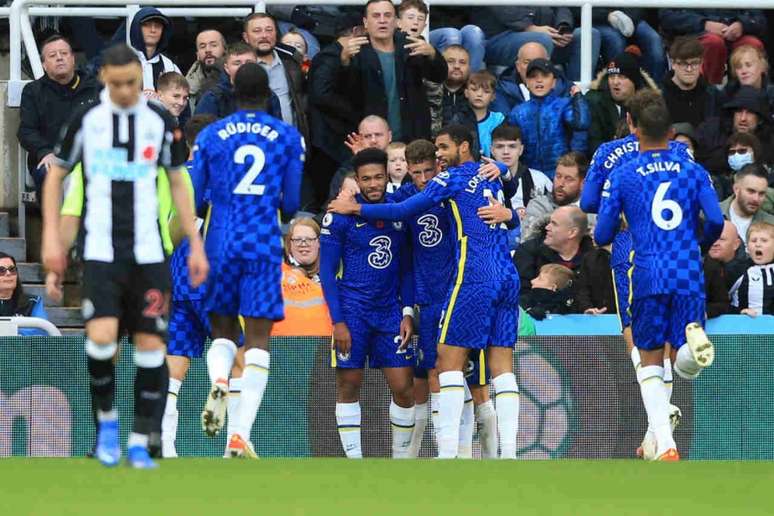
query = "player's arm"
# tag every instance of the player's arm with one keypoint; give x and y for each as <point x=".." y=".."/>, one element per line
<point x="713" y="216"/>
<point x="593" y="183"/>
<point x="406" y="294"/>
<point x="291" y="181"/>
<point x="331" y="247"/>
<point x="609" y="215"/>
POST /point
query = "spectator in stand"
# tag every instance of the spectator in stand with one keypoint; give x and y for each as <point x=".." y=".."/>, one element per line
<point x="283" y="64"/>
<point x="551" y="125"/>
<point x="718" y="299"/>
<point x="744" y="207"/>
<point x="446" y="98"/>
<point x="512" y="83"/>
<point x="594" y="290"/>
<point x="688" y="96"/>
<point x="507" y="149"/>
<point x="383" y="72"/>
<point x="753" y="293"/>
<point x="508" y="28"/>
<point x="567" y="185"/>
<point x="565" y="242"/>
<point x="397" y="168"/>
<point x="618" y="26"/>
<point x="551" y="293"/>
<point x="729" y="252"/>
<point x="13" y="301"/>
<point x="47" y="104"/>
<point x="206" y="70"/>
<point x="685" y="133"/>
<point x="749" y="66"/>
<point x="607" y="97"/>
<point x="742" y="149"/>
<point x="295" y="39"/>
<point x="306" y="313"/>
<point x="173" y="92"/>
<point x="149" y="35"/>
<point x="219" y="101"/>
<point x="718" y="30"/>
<point x="475" y="113"/>
<point x="746" y="112"/>
<point x="301" y="19"/>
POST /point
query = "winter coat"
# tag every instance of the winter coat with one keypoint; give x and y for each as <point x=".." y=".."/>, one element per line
<point x="729" y="91"/>
<point x="363" y="80"/>
<point x="711" y="138"/>
<point x="691" y="106"/>
<point x="46" y="107"/>
<point x="201" y="79"/>
<point x="533" y="254"/>
<point x="605" y="116"/>
<point x="594" y="287"/>
<point x="220" y="101"/>
<point x="495" y="20"/>
<point x="718" y="300"/>
<point x="508" y="92"/>
<point x="157" y="64"/>
<point x="291" y="63"/>
<point x="550" y="127"/>
<point x="680" y="22"/>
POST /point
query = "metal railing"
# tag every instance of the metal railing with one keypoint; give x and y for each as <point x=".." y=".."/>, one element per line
<point x="9" y="326"/>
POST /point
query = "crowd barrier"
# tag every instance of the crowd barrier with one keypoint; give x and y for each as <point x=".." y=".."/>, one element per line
<point x="579" y="398"/>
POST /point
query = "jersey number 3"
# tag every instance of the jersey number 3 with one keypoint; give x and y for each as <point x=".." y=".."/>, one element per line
<point x="246" y="186"/>
<point x="661" y="205"/>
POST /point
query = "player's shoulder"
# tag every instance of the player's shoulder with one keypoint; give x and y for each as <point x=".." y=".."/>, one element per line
<point x="404" y="192"/>
<point x="334" y="223"/>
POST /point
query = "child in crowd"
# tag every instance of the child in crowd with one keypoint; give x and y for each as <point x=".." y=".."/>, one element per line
<point x="396" y="165"/>
<point x="552" y="292"/>
<point x="480" y="92"/>
<point x="753" y="293"/>
<point x="172" y="91"/>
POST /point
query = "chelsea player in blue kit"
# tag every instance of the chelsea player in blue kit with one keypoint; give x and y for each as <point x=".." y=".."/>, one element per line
<point x="250" y="164"/>
<point x="661" y="194"/>
<point x="365" y="303"/>
<point x="481" y="310"/>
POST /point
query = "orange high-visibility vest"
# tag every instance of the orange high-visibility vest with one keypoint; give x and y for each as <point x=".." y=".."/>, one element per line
<point x="306" y="313"/>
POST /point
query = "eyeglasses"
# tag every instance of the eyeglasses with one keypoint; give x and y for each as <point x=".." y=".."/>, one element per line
<point x="8" y="270"/>
<point x="303" y="241"/>
<point x="689" y="65"/>
<point x="741" y="151"/>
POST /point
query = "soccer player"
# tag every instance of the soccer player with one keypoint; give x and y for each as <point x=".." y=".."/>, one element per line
<point x="250" y="164"/>
<point x="661" y="194"/>
<point x="122" y="141"/>
<point x="481" y="310"/>
<point x="365" y="306"/>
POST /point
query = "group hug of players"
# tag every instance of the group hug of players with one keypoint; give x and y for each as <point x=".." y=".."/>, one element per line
<point x="439" y="243"/>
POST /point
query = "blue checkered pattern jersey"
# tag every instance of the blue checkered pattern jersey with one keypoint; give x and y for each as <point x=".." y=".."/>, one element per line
<point x="609" y="156"/>
<point x="178" y="270"/>
<point x="433" y="245"/>
<point x="661" y="193"/>
<point x="374" y="259"/>
<point x="482" y="251"/>
<point x="249" y="163"/>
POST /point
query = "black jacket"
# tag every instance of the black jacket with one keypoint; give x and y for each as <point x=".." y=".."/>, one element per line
<point x="45" y="109"/>
<point x="712" y="136"/>
<point x="718" y="301"/>
<point x="533" y="254"/>
<point x="540" y="302"/>
<point x="594" y="287"/>
<point x="693" y="106"/>
<point x="363" y="80"/>
<point x="679" y="22"/>
<point x="291" y="62"/>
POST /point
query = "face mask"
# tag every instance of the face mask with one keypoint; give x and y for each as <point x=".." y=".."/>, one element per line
<point x="737" y="161"/>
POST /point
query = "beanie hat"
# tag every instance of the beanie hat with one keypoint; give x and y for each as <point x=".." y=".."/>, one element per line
<point x="627" y="65"/>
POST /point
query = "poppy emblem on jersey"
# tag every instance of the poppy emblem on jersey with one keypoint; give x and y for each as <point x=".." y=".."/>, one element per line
<point x="379" y="224"/>
<point x="149" y="152"/>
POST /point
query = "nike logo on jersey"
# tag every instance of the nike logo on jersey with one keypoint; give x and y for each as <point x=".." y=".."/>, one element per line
<point x="360" y="224"/>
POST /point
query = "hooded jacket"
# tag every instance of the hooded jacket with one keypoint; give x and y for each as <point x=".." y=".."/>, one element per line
<point x="605" y="116"/>
<point x="550" y="127"/>
<point x="679" y="22"/>
<point x="157" y="64"/>
<point x="508" y="93"/>
<point x="220" y="101"/>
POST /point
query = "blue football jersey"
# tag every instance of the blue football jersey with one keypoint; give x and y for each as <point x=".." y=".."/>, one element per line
<point x="482" y="250"/>
<point x="609" y="156"/>
<point x="249" y="163"/>
<point x="661" y="193"/>
<point x="433" y="249"/>
<point x="374" y="261"/>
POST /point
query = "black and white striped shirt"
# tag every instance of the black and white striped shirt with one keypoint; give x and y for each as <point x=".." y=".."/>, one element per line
<point x="755" y="289"/>
<point x="121" y="151"/>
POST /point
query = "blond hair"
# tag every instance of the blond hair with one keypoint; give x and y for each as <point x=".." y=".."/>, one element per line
<point x="760" y="227"/>
<point x="736" y="58"/>
<point x="559" y="274"/>
<point x="309" y="270"/>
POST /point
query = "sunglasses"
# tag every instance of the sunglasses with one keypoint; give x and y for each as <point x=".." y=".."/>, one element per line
<point x="7" y="270"/>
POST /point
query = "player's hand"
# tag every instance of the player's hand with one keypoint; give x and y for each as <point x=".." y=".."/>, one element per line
<point x="495" y="213"/>
<point x="595" y="311"/>
<point x="53" y="254"/>
<point x="419" y="47"/>
<point x="749" y="311"/>
<point x="489" y="169"/>
<point x="406" y="332"/>
<point x="48" y="160"/>
<point x="198" y="266"/>
<point x="355" y="142"/>
<point x="350" y="47"/>
<point x="54" y="289"/>
<point x="342" y="340"/>
<point x="343" y="206"/>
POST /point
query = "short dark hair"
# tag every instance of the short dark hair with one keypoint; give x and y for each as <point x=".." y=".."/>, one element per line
<point x="54" y="38"/>
<point x="237" y="49"/>
<point x="457" y="47"/>
<point x="369" y="156"/>
<point x="483" y="78"/>
<point x="420" y="151"/>
<point x="511" y="133"/>
<point x="195" y="124"/>
<point x="575" y="159"/>
<point x="650" y="114"/>
<point x="251" y="85"/>
<point x="172" y="80"/>
<point x="686" y="47"/>
<point x="458" y="134"/>
<point x="748" y="140"/>
<point x="753" y="169"/>
<point x="419" y="5"/>
<point x="256" y="16"/>
<point x="368" y="4"/>
<point x="18" y="292"/>
<point x="119" y="55"/>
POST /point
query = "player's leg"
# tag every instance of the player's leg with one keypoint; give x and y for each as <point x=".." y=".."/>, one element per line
<point x="149" y="387"/>
<point x="178" y="368"/>
<point x="220" y="359"/>
<point x="451" y="363"/>
<point x="425" y="376"/>
<point x="348" y="416"/>
<point x="101" y="349"/>
<point x="486" y="417"/>
<point x="692" y="349"/>
<point x="234" y="391"/>
<point x="435" y="401"/>
<point x="400" y="381"/>
<point x="421" y="399"/>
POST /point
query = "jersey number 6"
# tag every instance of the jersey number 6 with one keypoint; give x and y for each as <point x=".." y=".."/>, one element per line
<point x="660" y="205"/>
<point x="246" y="186"/>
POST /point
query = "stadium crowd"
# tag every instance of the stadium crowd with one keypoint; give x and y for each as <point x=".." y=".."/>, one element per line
<point x="507" y="74"/>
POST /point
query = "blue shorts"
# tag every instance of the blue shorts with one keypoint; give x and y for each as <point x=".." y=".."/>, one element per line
<point x="479" y="315"/>
<point x="427" y="346"/>
<point x="250" y="289"/>
<point x="621" y="263"/>
<point x="189" y="328"/>
<point x="662" y="318"/>
<point x="378" y="344"/>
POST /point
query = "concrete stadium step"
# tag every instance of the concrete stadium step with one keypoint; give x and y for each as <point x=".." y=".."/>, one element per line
<point x="64" y="317"/>
<point x="33" y="273"/>
<point x="5" y="228"/>
<point x="72" y="332"/>
<point x="40" y="290"/>
<point x="16" y="247"/>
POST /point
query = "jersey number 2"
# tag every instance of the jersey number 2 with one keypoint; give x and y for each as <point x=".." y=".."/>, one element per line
<point x="660" y="205"/>
<point x="246" y="186"/>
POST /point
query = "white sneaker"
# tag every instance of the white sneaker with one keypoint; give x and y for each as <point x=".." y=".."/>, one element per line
<point x="701" y="348"/>
<point x="214" y="413"/>
<point x="168" y="450"/>
<point x="647" y="449"/>
<point x="622" y="23"/>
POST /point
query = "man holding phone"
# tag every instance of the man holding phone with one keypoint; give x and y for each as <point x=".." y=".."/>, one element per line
<point x="384" y="72"/>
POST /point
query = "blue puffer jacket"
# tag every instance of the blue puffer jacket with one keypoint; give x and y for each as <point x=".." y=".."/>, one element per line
<point x="550" y="127"/>
<point x="508" y="94"/>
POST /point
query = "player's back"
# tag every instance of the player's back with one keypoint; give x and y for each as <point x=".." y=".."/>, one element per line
<point x="247" y="162"/>
<point x="660" y="195"/>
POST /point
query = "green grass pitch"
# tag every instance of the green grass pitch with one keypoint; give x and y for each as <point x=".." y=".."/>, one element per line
<point x="372" y="487"/>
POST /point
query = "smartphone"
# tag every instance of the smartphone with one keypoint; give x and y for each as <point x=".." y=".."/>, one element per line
<point x="564" y="29"/>
<point x="358" y="31"/>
